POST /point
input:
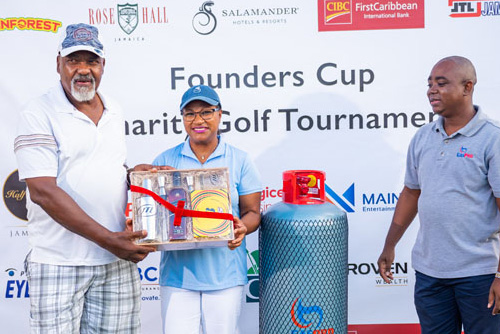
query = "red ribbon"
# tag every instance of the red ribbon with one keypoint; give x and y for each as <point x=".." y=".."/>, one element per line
<point x="179" y="211"/>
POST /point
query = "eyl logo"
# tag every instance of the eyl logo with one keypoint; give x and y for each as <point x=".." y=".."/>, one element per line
<point x="16" y="288"/>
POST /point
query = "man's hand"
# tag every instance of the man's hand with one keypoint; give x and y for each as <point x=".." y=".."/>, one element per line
<point x="122" y="245"/>
<point x="385" y="263"/>
<point x="494" y="297"/>
<point x="150" y="168"/>
<point x="129" y="225"/>
<point x="240" y="230"/>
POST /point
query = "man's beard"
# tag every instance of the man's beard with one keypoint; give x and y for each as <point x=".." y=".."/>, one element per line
<point x="83" y="94"/>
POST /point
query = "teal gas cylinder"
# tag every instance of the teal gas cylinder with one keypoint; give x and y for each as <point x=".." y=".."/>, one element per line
<point x="303" y="260"/>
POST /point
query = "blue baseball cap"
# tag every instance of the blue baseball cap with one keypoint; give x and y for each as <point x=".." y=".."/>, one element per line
<point x="81" y="37"/>
<point x="202" y="93"/>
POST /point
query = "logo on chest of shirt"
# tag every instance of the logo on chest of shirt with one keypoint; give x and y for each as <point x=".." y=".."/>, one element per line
<point x="462" y="153"/>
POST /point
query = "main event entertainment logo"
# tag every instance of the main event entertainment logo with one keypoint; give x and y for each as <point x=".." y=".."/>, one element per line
<point x="473" y="8"/>
<point x="345" y="201"/>
<point x="335" y="15"/>
<point x="372" y="201"/>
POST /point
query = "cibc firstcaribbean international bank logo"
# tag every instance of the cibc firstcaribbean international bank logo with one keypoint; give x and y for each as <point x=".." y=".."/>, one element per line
<point x="339" y="15"/>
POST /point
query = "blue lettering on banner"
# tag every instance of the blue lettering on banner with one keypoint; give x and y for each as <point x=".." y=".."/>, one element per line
<point x="17" y="289"/>
<point x="149" y="274"/>
<point x="381" y="198"/>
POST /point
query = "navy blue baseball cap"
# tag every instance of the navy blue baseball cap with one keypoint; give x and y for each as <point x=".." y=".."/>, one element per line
<point x="202" y="93"/>
<point x="81" y="37"/>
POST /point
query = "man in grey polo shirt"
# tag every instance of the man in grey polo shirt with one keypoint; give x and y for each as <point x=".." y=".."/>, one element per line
<point x="453" y="182"/>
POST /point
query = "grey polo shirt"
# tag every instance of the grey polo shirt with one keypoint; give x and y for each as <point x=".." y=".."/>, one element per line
<point x="459" y="178"/>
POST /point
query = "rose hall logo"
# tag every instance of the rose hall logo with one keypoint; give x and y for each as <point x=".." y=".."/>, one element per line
<point x="128" y="17"/>
<point x="131" y="18"/>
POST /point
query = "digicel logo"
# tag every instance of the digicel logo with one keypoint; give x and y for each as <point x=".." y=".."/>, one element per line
<point x="337" y="12"/>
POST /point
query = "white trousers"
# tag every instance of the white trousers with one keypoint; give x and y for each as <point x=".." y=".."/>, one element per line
<point x="193" y="312"/>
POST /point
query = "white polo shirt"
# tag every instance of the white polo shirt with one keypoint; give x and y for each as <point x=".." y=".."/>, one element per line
<point x="55" y="139"/>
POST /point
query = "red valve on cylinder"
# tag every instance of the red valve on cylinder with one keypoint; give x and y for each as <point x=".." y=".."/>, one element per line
<point x="304" y="187"/>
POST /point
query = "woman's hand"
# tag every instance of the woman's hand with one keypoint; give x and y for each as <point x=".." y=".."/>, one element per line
<point x="240" y="230"/>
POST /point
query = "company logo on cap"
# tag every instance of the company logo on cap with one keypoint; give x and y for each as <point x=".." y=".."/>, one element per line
<point x="82" y="34"/>
<point x="197" y="90"/>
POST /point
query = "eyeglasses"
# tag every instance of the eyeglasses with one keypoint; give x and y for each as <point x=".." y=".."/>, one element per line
<point x="207" y="115"/>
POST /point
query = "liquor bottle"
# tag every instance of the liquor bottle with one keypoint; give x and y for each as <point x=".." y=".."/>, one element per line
<point x="176" y="194"/>
<point x="147" y="213"/>
<point x="163" y="213"/>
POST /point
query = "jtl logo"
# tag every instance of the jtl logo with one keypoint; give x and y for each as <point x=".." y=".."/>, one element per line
<point x="474" y="8"/>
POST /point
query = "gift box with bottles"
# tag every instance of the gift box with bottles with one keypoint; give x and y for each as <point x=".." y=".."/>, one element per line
<point x="183" y="209"/>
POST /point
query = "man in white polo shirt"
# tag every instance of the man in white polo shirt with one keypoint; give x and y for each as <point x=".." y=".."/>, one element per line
<point x="453" y="182"/>
<point x="71" y="153"/>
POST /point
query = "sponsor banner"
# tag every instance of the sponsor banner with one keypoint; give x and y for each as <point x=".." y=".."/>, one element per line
<point x="293" y="97"/>
<point x="336" y="15"/>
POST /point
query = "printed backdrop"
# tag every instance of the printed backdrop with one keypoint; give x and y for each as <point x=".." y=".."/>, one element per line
<point x="337" y="86"/>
